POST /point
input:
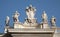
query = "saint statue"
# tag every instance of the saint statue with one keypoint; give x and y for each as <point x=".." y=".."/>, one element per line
<point x="15" y="17"/>
<point x="53" y="21"/>
<point x="30" y="11"/>
<point x="7" y="20"/>
<point x="44" y="16"/>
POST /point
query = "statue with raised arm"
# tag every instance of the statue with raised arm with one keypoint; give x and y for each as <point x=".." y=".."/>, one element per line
<point x="53" y="21"/>
<point x="7" y="20"/>
<point x="30" y="11"/>
<point x="44" y="16"/>
<point x="15" y="17"/>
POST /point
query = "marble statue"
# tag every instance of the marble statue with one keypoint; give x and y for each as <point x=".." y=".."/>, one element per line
<point x="53" y="21"/>
<point x="15" y="17"/>
<point x="7" y="20"/>
<point x="44" y="16"/>
<point x="30" y="11"/>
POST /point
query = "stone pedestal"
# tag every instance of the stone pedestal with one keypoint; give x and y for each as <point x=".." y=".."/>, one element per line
<point x="18" y="25"/>
<point x="45" y="25"/>
<point x="30" y="23"/>
<point x="6" y="28"/>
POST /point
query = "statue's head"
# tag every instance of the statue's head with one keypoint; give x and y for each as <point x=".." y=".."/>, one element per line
<point x="7" y="18"/>
<point x="30" y="8"/>
<point x="44" y="12"/>
<point x="53" y="19"/>
<point x="16" y="13"/>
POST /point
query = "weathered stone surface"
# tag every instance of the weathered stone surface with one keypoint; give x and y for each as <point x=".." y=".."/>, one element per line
<point x="32" y="35"/>
<point x="31" y="32"/>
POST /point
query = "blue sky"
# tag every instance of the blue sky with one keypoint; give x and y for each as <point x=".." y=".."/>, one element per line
<point x="8" y="7"/>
